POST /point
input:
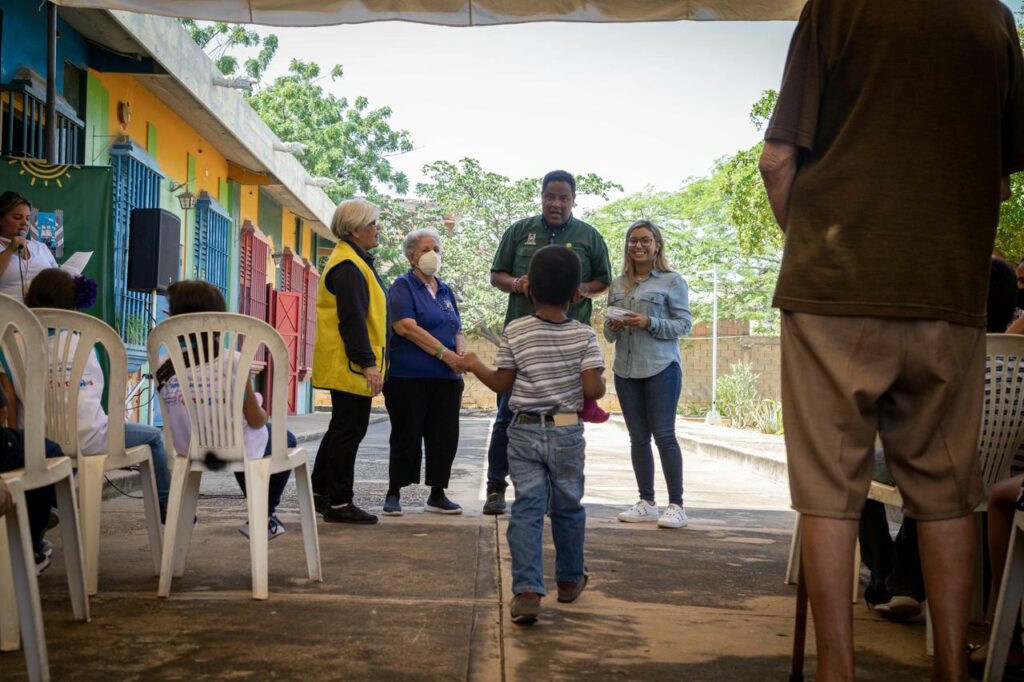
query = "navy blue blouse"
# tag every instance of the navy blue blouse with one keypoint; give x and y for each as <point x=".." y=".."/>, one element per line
<point x="438" y="315"/>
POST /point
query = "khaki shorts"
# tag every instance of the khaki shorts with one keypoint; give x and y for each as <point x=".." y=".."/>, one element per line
<point x="918" y="384"/>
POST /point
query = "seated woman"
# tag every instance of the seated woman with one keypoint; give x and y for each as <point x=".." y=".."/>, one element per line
<point x="423" y="392"/>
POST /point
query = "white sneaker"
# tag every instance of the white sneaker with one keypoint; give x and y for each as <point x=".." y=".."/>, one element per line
<point x="642" y="511"/>
<point x="674" y="517"/>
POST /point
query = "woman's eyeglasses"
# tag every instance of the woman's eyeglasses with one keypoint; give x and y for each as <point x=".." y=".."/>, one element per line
<point x="643" y="241"/>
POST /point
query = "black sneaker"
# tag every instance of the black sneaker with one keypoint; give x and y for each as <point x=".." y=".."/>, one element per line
<point x="442" y="505"/>
<point x="42" y="556"/>
<point x="348" y="514"/>
<point x="495" y="504"/>
<point x="320" y="503"/>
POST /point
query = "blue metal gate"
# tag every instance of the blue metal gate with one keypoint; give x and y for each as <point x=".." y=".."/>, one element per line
<point x="211" y="243"/>
<point x="136" y="185"/>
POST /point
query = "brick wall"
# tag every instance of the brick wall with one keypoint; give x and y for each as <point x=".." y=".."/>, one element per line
<point x="761" y="351"/>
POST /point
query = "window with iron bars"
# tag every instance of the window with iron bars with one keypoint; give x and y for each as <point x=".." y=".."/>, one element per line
<point x="136" y="185"/>
<point x="211" y="243"/>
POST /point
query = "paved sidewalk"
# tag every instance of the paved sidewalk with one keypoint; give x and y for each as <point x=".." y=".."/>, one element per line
<point x="423" y="597"/>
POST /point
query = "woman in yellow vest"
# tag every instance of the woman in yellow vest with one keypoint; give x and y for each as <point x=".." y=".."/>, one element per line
<point x="349" y="355"/>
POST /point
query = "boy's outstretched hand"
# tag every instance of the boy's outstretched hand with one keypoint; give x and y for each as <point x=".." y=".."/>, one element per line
<point x="467" y="361"/>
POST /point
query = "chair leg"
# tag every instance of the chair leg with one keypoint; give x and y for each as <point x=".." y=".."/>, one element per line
<point x="186" y="521"/>
<point x="175" y="498"/>
<point x="978" y="610"/>
<point x="151" y="503"/>
<point x="30" y="611"/>
<point x="856" y="570"/>
<point x="90" y="497"/>
<point x="793" y="566"/>
<point x="1007" y="604"/>
<point x="10" y="631"/>
<point x="929" y="632"/>
<point x="257" y="486"/>
<point x="74" y="552"/>
<point x="310" y="537"/>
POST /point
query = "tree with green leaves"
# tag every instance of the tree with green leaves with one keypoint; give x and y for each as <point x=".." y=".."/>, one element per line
<point x="218" y="38"/>
<point x="346" y="140"/>
<point x="699" y="236"/>
<point x="484" y="204"/>
<point x="1010" y="237"/>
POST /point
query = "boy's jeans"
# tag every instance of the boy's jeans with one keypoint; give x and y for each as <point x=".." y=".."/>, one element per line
<point x="546" y="463"/>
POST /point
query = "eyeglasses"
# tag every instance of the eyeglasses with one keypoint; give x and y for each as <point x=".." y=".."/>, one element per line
<point x="643" y="241"/>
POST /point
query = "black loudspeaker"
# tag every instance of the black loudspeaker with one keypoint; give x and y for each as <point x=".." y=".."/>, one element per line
<point x="153" y="245"/>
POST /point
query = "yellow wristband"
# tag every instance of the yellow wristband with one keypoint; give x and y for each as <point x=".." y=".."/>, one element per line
<point x="440" y="351"/>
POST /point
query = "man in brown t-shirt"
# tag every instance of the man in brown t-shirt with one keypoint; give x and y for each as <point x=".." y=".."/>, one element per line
<point x="897" y="127"/>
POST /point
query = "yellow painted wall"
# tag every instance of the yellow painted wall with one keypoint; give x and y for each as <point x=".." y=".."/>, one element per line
<point x="250" y="204"/>
<point x="175" y="138"/>
<point x="287" y="229"/>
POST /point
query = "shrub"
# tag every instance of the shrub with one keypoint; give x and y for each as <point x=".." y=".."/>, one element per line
<point x="768" y="417"/>
<point x="737" y="396"/>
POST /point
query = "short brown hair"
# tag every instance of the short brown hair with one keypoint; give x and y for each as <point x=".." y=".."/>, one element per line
<point x="195" y="296"/>
<point x="51" y="288"/>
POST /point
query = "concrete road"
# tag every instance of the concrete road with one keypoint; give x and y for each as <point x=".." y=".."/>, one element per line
<point x="424" y="597"/>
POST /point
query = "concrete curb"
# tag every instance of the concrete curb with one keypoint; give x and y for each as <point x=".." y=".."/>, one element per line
<point x="693" y="445"/>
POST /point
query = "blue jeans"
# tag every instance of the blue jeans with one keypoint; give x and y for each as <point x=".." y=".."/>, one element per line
<point x="649" y="408"/>
<point x="546" y="464"/>
<point x="497" y="451"/>
<point x="144" y="434"/>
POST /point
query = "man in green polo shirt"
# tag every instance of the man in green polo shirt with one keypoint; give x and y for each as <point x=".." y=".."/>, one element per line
<point x="555" y="225"/>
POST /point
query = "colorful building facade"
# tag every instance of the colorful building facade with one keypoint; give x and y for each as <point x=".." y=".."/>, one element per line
<point x="138" y="97"/>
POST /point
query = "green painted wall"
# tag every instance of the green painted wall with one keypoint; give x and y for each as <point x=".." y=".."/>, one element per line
<point x="97" y="120"/>
<point x="270" y="224"/>
<point x="151" y="139"/>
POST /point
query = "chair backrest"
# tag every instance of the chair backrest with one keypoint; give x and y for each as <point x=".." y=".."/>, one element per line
<point x="212" y="356"/>
<point x="72" y="337"/>
<point x="23" y="343"/>
<point x="1002" y="419"/>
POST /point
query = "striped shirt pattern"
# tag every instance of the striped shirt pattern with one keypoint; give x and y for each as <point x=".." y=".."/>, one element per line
<point x="548" y="358"/>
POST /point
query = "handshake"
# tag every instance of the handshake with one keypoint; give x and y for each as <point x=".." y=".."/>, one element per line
<point x="466" y="363"/>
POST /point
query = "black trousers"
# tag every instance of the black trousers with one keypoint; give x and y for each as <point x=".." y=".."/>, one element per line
<point x="278" y="481"/>
<point x="38" y="501"/>
<point x="895" y="565"/>
<point x="422" y="411"/>
<point x="334" y="469"/>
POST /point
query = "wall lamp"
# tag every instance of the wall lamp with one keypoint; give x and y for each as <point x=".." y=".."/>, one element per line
<point x="186" y="199"/>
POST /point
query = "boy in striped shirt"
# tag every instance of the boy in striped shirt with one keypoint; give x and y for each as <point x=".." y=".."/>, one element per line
<point x="550" y="363"/>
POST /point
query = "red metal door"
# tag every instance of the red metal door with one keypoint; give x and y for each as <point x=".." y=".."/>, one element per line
<point x="288" y="321"/>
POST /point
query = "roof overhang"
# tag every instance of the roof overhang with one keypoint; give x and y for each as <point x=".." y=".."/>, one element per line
<point x="184" y="80"/>
<point x="453" y="12"/>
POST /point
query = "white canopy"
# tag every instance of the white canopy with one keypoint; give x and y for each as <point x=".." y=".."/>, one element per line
<point x="452" y="12"/>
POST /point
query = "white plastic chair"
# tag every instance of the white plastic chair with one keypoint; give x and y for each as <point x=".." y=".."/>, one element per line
<point x="23" y="342"/>
<point x="74" y="336"/>
<point x="1001" y="436"/>
<point x="214" y="407"/>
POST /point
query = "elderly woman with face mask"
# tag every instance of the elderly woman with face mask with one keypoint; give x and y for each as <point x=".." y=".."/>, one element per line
<point x="424" y="388"/>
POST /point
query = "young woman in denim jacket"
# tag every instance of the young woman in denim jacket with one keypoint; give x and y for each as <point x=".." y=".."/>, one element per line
<point x="654" y="312"/>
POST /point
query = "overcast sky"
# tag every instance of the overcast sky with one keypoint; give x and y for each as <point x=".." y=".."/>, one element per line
<point x="640" y="104"/>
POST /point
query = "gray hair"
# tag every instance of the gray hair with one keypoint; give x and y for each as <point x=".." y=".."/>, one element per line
<point x="412" y="240"/>
<point x="352" y="214"/>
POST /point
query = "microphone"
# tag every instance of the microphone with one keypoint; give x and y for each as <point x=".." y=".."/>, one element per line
<point x="21" y="247"/>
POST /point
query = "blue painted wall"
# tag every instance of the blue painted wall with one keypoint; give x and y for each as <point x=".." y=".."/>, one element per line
<point x="24" y="42"/>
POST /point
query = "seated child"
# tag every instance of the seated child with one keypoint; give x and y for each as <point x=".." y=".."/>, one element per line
<point x="195" y="296"/>
<point x="551" y="364"/>
<point x="55" y="288"/>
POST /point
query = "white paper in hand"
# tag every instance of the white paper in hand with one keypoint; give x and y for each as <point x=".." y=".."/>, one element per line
<point x="76" y="262"/>
<point x="617" y="314"/>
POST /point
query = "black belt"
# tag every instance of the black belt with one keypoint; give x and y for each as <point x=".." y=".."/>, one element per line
<point x="539" y="419"/>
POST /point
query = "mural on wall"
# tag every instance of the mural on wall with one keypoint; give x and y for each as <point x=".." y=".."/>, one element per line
<point x="71" y="212"/>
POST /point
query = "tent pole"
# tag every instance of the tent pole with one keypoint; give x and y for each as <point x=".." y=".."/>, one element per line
<point x="51" y="82"/>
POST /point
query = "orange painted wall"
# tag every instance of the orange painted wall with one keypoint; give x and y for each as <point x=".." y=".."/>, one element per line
<point x="175" y="138"/>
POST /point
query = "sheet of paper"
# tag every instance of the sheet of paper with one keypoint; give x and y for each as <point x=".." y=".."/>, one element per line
<point x="76" y="262"/>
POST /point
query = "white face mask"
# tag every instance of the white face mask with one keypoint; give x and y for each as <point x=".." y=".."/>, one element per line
<point x="429" y="263"/>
